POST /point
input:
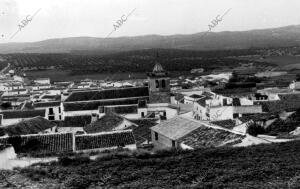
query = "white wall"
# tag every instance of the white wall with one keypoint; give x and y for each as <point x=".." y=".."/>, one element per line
<point x="55" y="112"/>
<point x="6" y="122"/>
<point x="221" y="113"/>
<point x="170" y="112"/>
<point x="162" y="142"/>
<point x="79" y="113"/>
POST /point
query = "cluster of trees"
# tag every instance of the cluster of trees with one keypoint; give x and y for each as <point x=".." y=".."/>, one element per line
<point x="261" y="166"/>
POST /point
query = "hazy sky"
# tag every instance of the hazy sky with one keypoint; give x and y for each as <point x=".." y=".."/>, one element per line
<point x="95" y="18"/>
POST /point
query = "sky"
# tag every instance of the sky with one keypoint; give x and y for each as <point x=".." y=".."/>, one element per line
<point x="96" y="18"/>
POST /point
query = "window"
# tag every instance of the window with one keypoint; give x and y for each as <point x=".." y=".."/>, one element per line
<point x="156" y="135"/>
<point x="51" y="111"/>
<point x="224" y="102"/>
<point x="156" y="83"/>
<point x="163" y="83"/>
<point x="142" y="114"/>
<point x="235" y="115"/>
<point x="59" y="117"/>
<point x="173" y="143"/>
<point x="101" y="109"/>
<point x="164" y="114"/>
<point x="59" y="110"/>
<point x="50" y="118"/>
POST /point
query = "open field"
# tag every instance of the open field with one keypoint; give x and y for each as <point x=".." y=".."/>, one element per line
<point x="60" y="75"/>
<point x="284" y="63"/>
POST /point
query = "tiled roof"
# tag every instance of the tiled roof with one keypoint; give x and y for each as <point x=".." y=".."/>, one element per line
<point x="94" y="105"/>
<point x="76" y="121"/>
<point x="142" y="132"/>
<point x="176" y="128"/>
<point x="178" y="96"/>
<point x="210" y="137"/>
<point x="108" y="94"/>
<point x="61" y="142"/>
<point x="46" y="104"/>
<point x="228" y="124"/>
<point x="257" y="117"/>
<point x="196" y="96"/>
<point x="22" y="114"/>
<point x="106" y="123"/>
<point x="202" y="101"/>
<point x="30" y="126"/>
<point x="124" y="109"/>
<point x="54" y="97"/>
<point x="104" y="140"/>
<point x="206" y="93"/>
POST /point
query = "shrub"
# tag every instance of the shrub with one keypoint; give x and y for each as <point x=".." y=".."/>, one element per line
<point x="255" y="129"/>
<point x="77" y="182"/>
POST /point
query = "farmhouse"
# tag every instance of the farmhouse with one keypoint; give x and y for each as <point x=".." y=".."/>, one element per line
<point x="42" y="81"/>
<point x="52" y="109"/>
<point x="217" y="107"/>
<point x="181" y="132"/>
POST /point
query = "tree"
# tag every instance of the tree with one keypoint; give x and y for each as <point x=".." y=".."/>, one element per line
<point x="298" y="77"/>
<point x="254" y="129"/>
<point x="5" y="105"/>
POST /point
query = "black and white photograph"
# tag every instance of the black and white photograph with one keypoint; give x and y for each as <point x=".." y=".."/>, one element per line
<point x="149" y="94"/>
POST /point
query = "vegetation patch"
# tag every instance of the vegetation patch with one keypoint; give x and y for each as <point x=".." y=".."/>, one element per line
<point x="263" y="166"/>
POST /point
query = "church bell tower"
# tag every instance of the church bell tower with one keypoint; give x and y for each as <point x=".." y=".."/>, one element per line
<point x="159" y="85"/>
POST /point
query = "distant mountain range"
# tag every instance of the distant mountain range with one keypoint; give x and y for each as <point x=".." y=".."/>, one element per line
<point x="263" y="38"/>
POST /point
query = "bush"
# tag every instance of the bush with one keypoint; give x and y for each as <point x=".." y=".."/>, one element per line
<point x="77" y="160"/>
<point x="255" y="129"/>
<point x="77" y="182"/>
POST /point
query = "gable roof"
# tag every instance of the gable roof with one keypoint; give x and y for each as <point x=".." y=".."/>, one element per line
<point x="75" y="121"/>
<point x="202" y="101"/>
<point x="196" y="96"/>
<point x="142" y="132"/>
<point x="14" y="114"/>
<point x="104" y="140"/>
<point x="176" y="128"/>
<point x="94" y="105"/>
<point x="108" y="122"/>
<point x="30" y="126"/>
<point x="210" y="137"/>
<point x="108" y="94"/>
<point x="46" y="104"/>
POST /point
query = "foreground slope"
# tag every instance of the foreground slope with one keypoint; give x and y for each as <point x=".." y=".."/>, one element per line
<point x="262" y="166"/>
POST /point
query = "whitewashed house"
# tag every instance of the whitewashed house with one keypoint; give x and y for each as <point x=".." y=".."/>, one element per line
<point x="217" y="107"/>
<point x="42" y="81"/>
<point x="52" y="109"/>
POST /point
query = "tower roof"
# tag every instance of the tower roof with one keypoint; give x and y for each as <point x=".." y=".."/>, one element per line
<point x="158" y="68"/>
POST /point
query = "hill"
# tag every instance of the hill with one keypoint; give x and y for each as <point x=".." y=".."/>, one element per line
<point x="263" y="38"/>
<point x="264" y="166"/>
